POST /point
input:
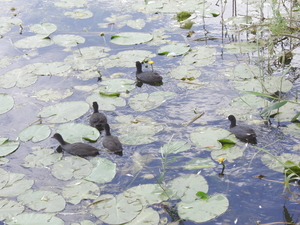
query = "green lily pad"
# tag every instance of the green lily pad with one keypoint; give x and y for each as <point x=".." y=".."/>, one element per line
<point x="6" y="103"/>
<point x="146" y="217"/>
<point x="12" y="187"/>
<point x="77" y="132"/>
<point x="136" y="24"/>
<point x="47" y="201"/>
<point x="203" y="210"/>
<point x="138" y="130"/>
<point x="71" y="166"/>
<point x="35" y="133"/>
<point x="79" y="190"/>
<point x="41" y="157"/>
<point x="47" y="95"/>
<point x="131" y="38"/>
<point x="68" y="40"/>
<point x="200" y="56"/>
<point x="199" y="163"/>
<point x="36" y="41"/>
<point x="230" y="154"/>
<point x="64" y="111"/>
<point x="244" y="71"/>
<point x="173" y="49"/>
<point x="207" y="137"/>
<point x="240" y="47"/>
<point x="174" y="147"/>
<point x="79" y="14"/>
<point x="144" y="101"/>
<point x="70" y="3"/>
<point x="185" y="71"/>
<point x="4" y="178"/>
<point x="116" y="210"/>
<point x="8" y="147"/>
<point x="7" y="22"/>
<point x="116" y="85"/>
<point x="43" y="28"/>
<point x="28" y="218"/>
<point x="92" y="52"/>
<point x="103" y="170"/>
<point x="105" y="102"/>
<point x="51" y="68"/>
<point x="273" y="164"/>
<point x="9" y="209"/>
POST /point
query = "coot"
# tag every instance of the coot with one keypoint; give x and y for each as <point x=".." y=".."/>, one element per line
<point x="79" y="149"/>
<point x="97" y="119"/>
<point x="241" y="132"/>
<point x="148" y="76"/>
<point x="110" y="142"/>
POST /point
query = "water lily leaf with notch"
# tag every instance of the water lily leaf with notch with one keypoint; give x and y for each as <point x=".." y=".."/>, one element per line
<point x="194" y="183"/>
<point x="106" y="103"/>
<point x="20" y="77"/>
<point x="292" y="129"/>
<point x="52" y="68"/>
<point x="116" y="210"/>
<point x="199" y="163"/>
<point x="7" y="22"/>
<point x="146" y="217"/>
<point x="35" y="133"/>
<point x="64" y="111"/>
<point x="147" y="194"/>
<point x="103" y="170"/>
<point x="241" y="47"/>
<point x="116" y="85"/>
<point x="186" y="71"/>
<point x="78" y="190"/>
<point x="174" y="147"/>
<point x="6" y="103"/>
<point x="207" y="137"/>
<point x="70" y="4"/>
<point x="9" y="209"/>
<point x="43" y="200"/>
<point x="12" y="187"/>
<point x="274" y="164"/>
<point x="8" y="147"/>
<point x="77" y="132"/>
<point x="202" y="210"/>
<point x="131" y="38"/>
<point x="144" y="101"/>
<point x="200" y="56"/>
<point x="136" y="24"/>
<point x="71" y="166"/>
<point x="230" y="154"/>
<point x="68" y="40"/>
<point x="92" y="52"/>
<point x="79" y="14"/>
<point x="4" y="178"/>
<point x="47" y="95"/>
<point x="28" y="218"/>
<point x="36" y="41"/>
<point x="244" y="71"/>
<point x="41" y="157"/>
<point x="173" y="49"/>
<point x="138" y="130"/>
<point x="43" y="28"/>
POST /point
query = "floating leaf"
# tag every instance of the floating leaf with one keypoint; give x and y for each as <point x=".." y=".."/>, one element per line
<point x="9" y="209"/>
<point x="4" y="178"/>
<point x="173" y="49"/>
<point x="185" y="71"/>
<point x="12" y="187"/>
<point x="131" y="38"/>
<point x="116" y="210"/>
<point x="35" y="133"/>
<point x="37" y="41"/>
<point x="200" y="56"/>
<point x="70" y="3"/>
<point x="71" y="166"/>
<point x="230" y="154"/>
<point x="8" y="147"/>
<point x="144" y="101"/>
<point x="116" y="85"/>
<point x="106" y="103"/>
<point x="199" y="163"/>
<point x="146" y="217"/>
<point x="7" y="22"/>
<point x="78" y="190"/>
<point x="241" y="47"/>
<point x="28" y="218"/>
<point x="136" y="24"/>
<point x="52" y="68"/>
<point x="64" y="111"/>
<point x="77" y="132"/>
<point x="43" y="28"/>
<point x="103" y="170"/>
<point x="6" y="103"/>
<point x="47" y="95"/>
<point x="68" y="40"/>
<point x="174" y="147"/>
<point x="42" y="200"/>
<point x="275" y="162"/>
<point x="79" y="14"/>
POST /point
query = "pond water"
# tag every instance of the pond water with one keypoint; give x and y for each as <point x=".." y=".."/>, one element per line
<point x="165" y="162"/>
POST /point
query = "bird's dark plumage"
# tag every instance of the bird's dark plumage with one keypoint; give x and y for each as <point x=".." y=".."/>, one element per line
<point x="97" y="119"/>
<point x="240" y="131"/>
<point x="148" y="76"/>
<point x="110" y="142"/>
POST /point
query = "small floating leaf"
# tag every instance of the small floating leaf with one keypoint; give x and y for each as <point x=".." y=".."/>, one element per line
<point x="36" y="41"/>
<point x="106" y="103"/>
<point x="6" y="103"/>
<point x="68" y="40"/>
<point x="28" y="218"/>
<point x="131" y="38"/>
<point x="35" y="133"/>
<point x="9" y="209"/>
<point x="183" y="15"/>
<point x="12" y="187"/>
<point x="110" y="95"/>
<point x="8" y="147"/>
<point x="79" y="14"/>
<point x="173" y="49"/>
<point x="43" y="28"/>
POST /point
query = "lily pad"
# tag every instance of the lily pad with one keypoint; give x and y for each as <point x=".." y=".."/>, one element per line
<point x="136" y="24"/>
<point x="203" y="210"/>
<point x="173" y="49"/>
<point x="244" y="71"/>
<point x="4" y="178"/>
<point x="70" y="3"/>
<point x="35" y="133"/>
<point x="146" y="217"/>
<point x="79" y="14"/>
<point x="7" y="22"/>
<point x="116" y="210"/>
<point x="230" y="154"/>
<point x="68" y="40"/>
<point x="12" y="187"/>
<point x="185" y="71"/>
<point x="64" y="111"/>
<point x="28" y="218"/>
<point x="105" y="102"/>
<point x="43" y="28"/>
<point x="144" y="101"/>
<point x="52" y="68"/>
<point x="77" y="132"/>
<point x="200" y="56"/>
<point x="41" y="157"/>
<point x="174" y="147"/>
<point x="103" y="170"/>
<point x="241" y="47"/>
<point x="116" y="85"/>
<point x="273" y="164"/>
<point x="36" y="41"/>
<point x="8" y="147"/>
<point x="6" y="103"/>
<point x="78" y="190"/>
<point x="131" y="38"/>
<point x="47" y="95"/>
<point x="47" y="201"/>
<point x="199" y="163"/>
<point x="207" y="137"/>
<point x="71" y="166"/>
<point x="9" y="209"/>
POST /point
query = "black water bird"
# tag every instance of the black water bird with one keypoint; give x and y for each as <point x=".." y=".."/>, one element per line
<point x="97" y="119"/>
<point x="110" y="142"/>
<point x="79" y="149"/>
<point x="148" y="77"/>
<point x="240" y="131"/>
